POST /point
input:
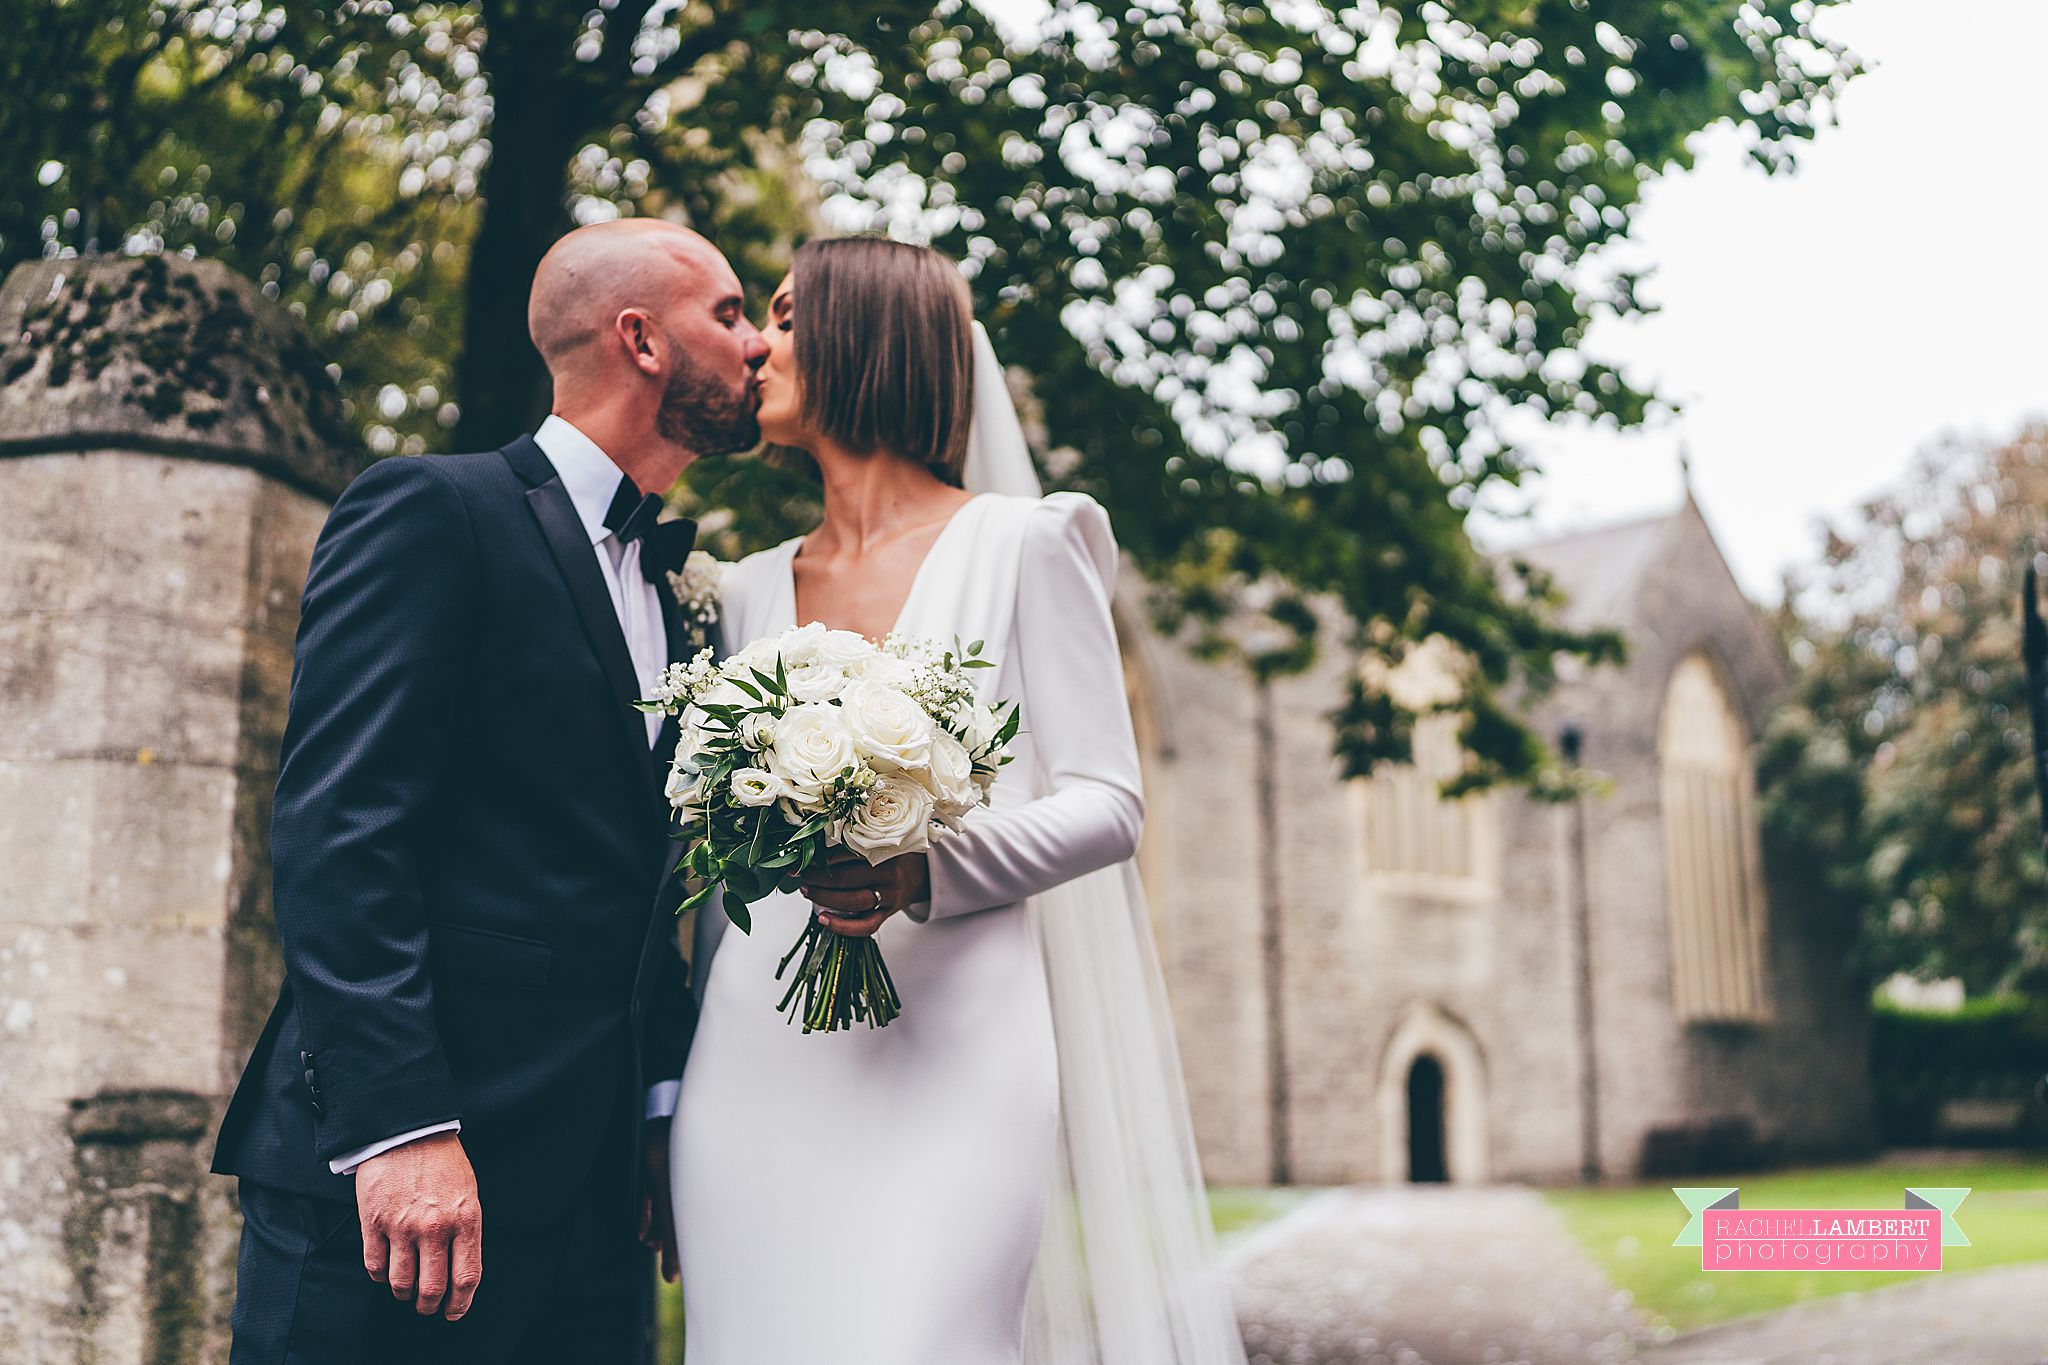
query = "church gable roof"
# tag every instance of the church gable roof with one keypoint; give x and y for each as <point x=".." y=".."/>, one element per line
<point x="1633" y="576"/>
<point x="1599" y="571"/>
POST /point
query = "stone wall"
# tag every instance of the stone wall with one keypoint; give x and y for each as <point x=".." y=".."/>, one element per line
<point x="168" y="449"/>
<point x="1199" y="862"/>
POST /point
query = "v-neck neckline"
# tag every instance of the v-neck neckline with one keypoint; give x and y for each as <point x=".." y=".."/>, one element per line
<point x="916" y="578"/>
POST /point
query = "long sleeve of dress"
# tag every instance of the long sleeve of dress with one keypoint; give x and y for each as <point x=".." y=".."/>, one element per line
<point x="1079" y="724"/>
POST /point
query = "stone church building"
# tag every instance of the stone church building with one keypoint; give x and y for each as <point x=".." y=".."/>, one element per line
<point x="1372" y="983"/>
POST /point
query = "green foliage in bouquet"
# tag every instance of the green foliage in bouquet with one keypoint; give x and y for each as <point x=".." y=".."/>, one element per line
<point x="729" y="846"/>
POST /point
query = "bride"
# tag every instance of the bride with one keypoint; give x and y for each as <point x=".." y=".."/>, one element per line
<point x="1006" y="1172"/>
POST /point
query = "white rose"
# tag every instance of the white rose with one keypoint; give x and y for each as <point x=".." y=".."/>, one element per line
<point x="814" y="681"/>
<point x="812" y="747"/>
<point x="724" y="692"/>
<point x="886" y="669"/>
<point x="757" y="787"/>
<point x="685" y="789"/>
<point x="895" y="819"/>
<point x="757" y="731"/>
<point x="949" y="776"/>
<point x="760" y="654"/>
<point x="799" y="645"/>
<point x="690" y="742"/>
<point x="981" y="723"/>
<point x="843" y="649"/>
<point x="888" y="725"/>
<point x="727" y="692"/>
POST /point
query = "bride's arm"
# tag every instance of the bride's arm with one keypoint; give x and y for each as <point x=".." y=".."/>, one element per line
<point x="1079" y="721"/>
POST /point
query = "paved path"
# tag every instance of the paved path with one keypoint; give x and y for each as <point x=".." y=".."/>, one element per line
<point x="1419" y="1275"/>
<point x="1982" y="1317"/>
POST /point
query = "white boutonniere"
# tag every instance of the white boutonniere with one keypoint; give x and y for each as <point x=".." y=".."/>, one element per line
<point x="696" y="589"/>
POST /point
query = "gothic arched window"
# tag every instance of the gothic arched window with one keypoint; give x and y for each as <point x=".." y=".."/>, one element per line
<point x="1712" y="881"/>
<point x="1417" y="842"/>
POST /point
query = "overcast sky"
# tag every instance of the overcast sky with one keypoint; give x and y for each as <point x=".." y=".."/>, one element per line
<point x="1824" y="326"/>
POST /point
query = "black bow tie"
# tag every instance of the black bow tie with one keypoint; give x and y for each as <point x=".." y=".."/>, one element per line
<point x="630" y="515"/>
<point x="664" y="545"/>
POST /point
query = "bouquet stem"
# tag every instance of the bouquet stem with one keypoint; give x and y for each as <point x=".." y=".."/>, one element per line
<point x="840" y="980"/>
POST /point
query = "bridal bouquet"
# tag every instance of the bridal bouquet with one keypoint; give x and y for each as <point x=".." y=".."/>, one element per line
<point x="820" y="739"/>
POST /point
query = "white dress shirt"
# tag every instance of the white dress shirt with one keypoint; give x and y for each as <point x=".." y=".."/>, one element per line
<point x="591" y="481"/>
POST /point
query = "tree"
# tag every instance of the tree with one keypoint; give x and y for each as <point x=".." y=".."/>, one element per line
<point x="1902" y="771"/>
<point x="1279" y="274"/>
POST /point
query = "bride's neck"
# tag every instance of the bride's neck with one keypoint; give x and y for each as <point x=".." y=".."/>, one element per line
<point x="870" y="499"/>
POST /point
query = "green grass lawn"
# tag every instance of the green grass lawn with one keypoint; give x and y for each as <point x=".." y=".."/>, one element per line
<point x="1232" y="1209"/>
<point x="1237" y="1208"/>
<point x="1628" y="1231"/>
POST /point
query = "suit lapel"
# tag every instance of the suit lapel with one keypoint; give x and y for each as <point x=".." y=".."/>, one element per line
<point x="576" y="559"/>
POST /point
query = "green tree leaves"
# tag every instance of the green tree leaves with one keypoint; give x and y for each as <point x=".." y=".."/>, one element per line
<point x="1279" y="275"/>
<point x="1901" y="774"/>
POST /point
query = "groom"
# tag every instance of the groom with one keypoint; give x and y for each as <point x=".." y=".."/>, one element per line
<point x="451" y="1138"/>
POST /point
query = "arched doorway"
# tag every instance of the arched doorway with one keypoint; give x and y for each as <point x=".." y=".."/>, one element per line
<point x="1431" y="1100"/>
<point x="1427" y="1161"/>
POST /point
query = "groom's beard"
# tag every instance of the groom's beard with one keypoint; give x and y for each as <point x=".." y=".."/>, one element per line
<point x="699" y="413"/>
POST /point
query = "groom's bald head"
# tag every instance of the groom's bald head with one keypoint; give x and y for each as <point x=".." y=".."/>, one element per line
<point x="595" y="273"/>
<point x="646" y="316"/>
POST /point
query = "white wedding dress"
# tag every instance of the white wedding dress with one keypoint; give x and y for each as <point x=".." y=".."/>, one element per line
<point x="1005" y="1173"/>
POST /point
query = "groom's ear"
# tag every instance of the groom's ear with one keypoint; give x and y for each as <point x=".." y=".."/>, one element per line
<point x="633" y="326"/>
<point x="636" y="329"/>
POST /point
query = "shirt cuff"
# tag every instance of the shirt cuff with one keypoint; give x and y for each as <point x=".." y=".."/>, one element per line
<point x="661" y="1099"/>
<point x="346" y="1163"/>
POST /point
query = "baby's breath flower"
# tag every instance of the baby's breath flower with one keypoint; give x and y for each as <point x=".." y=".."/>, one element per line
<point x="680" y="683"/>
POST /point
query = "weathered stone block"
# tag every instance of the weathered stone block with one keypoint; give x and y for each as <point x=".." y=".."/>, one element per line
<point x="167" y="447"/>
<point x="116" y="841"/>
<point x="159" y="354"/>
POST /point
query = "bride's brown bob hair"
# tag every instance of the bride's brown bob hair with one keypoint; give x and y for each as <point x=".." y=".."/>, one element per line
<point x="885" y="349"/>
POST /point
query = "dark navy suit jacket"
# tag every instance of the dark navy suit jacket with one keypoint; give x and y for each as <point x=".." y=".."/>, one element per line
<point x="469" y="849"/>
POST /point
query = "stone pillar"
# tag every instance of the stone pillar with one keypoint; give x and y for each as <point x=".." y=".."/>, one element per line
<point x="169" y="446"/>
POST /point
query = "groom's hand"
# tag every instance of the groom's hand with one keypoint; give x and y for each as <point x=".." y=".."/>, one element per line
<point x="658" y="1211"/>
<point x="854" y="898"/>
<point x="422" y="1226"/>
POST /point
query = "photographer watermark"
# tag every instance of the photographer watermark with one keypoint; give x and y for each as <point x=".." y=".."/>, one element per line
<point x="1731" y="1237"/>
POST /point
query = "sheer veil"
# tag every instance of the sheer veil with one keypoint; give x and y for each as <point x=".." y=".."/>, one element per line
<point x="1127" y="1273"/>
